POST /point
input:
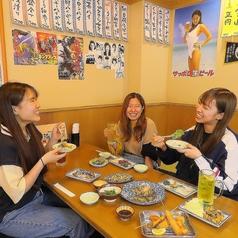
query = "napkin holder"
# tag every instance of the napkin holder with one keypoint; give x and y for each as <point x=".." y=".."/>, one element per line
<point x="75" y="134"/>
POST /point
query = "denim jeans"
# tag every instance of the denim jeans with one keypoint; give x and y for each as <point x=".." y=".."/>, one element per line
<point x="45" y="216"/>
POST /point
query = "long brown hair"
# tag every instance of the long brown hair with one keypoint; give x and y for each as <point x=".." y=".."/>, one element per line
<point x="125" y="125"/>
<point x="12" y="94"/>
<point x="226" y="102"/>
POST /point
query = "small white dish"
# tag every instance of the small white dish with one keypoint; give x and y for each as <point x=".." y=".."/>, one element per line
<point x="105" y="155"/>
<point x="177" y="144"/>
<point x="66" y="147"/>
<point x="140" y="168"/>
<point x="89" y="198"/>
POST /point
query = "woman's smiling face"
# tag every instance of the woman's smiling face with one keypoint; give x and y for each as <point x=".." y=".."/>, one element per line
<point x="208" y="115"/>
<point x="134" y="109"/>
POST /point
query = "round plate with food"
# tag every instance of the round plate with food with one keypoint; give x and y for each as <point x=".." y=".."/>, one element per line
<point x="98" y="162"/>
<point x="177" y="144"/>
<point x="118" y="178"/>
<point x="66" y="147"/>
<point x="143" y="192"/>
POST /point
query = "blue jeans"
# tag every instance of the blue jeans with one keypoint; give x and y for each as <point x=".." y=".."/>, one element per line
<point x="45" y="216"/>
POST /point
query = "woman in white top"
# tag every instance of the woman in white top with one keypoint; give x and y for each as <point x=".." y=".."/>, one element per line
<point x="191" y="37"/>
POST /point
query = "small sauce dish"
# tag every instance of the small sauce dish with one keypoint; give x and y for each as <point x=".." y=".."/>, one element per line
<point x="125" y="211"/>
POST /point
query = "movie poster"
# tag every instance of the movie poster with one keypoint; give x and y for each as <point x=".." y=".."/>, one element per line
<point x="70" y="57"/>
<point x="195" y="40"/>
<point x="24" y="47"/>
<point x="47" y="48"/>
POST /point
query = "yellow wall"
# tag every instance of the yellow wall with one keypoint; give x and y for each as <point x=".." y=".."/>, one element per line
<point x="147" y="70"/>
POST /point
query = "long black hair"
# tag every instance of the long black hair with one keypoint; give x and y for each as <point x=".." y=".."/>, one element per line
<point x="12" y="94"/>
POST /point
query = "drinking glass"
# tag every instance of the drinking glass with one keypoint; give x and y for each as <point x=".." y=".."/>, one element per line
<point x="206" y="186"/>
<point x="112" y="128"/>
<point x="187" y="27"/>
<point x="62" y="161"/>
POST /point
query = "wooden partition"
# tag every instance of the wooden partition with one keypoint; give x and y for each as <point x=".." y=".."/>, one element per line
<point x="168" y="118"/>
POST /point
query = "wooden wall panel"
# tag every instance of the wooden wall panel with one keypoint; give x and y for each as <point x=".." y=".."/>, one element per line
<point x="93" y="120"/>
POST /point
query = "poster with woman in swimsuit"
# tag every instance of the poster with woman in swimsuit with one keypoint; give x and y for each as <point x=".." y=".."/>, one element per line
<point x="195" y="40"/>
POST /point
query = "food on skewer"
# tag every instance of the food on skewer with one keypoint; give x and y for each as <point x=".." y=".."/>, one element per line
<point x="180" y="222"/>
<point x="173" y="223"/>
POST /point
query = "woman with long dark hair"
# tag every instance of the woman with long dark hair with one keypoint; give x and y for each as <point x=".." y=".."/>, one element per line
<point x="27" y="208"/>
<point x="211" y="143"/>
<point x="135" y="132"/>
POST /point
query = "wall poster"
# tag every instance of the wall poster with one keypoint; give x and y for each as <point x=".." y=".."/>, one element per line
<point x="194" y="49"/>
<point x="231" y="52"/>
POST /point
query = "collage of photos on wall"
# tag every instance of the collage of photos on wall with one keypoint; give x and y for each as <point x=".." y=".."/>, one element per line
<point x="105" y="55"/>
<point x="39" y="48"/>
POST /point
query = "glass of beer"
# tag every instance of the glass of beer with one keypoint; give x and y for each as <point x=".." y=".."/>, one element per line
<point x="206" y="186"/>
<point x="112" y="128"/>
<point x="187" y="27"/>
<point x="62" y="161"/>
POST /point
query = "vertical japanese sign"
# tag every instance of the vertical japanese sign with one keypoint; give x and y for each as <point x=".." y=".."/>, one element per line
<point x="44" y="14"/>
<point x="124" y="22"/>
<point x="116" y="20"/>
<point x="154" y="23"/>
<point x="17" y="12"/>
<point x="160" y="24"/>
<point x="166" y="25"/>
<point x="147" y="24"/>
<point x="89" y="17"/>
<point x="99" y="18"/>
<point x="80" y="16"/>
<point x="69" y="7"/>
<point x="32" y="13"/>
<point x="108" y="19"/>
<point x="57" y="14"/>
<point x="230" y="19"/>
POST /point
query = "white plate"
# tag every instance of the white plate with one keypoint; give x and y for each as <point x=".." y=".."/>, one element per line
<point x="70" y="147"/>
<point x="89" y="198"/>
<point x="83" y="174"/>
<point x="92" y="162"/>
<point x="226" y="215"/>
<point x="177" y="187"/>
<point x="176" y="144"/>
<point x="122" y="163"/>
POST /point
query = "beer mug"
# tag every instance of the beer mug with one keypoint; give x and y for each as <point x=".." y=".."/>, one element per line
<point x="206" y="186"/>
<point x="187" y="27"/>
<point x="112" y="128"/>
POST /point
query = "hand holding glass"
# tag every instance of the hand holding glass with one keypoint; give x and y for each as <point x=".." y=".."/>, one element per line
<point x="206" y="186"/>
<point x="112" y="127"/>
<point x="187" y="27"/>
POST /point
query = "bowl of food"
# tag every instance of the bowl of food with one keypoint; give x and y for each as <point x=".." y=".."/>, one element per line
<point x="65" y="147"/>
<point x="105" y="155"/>
<point x="125" y="211"/>
<point x="99" y="183"/>
<point x="89" y="198"/>
<point x="109" y="192"/>
<point x="140" y="168"/>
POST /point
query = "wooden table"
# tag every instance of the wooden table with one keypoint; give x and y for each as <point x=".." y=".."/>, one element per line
<point x="102" y="216"/>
